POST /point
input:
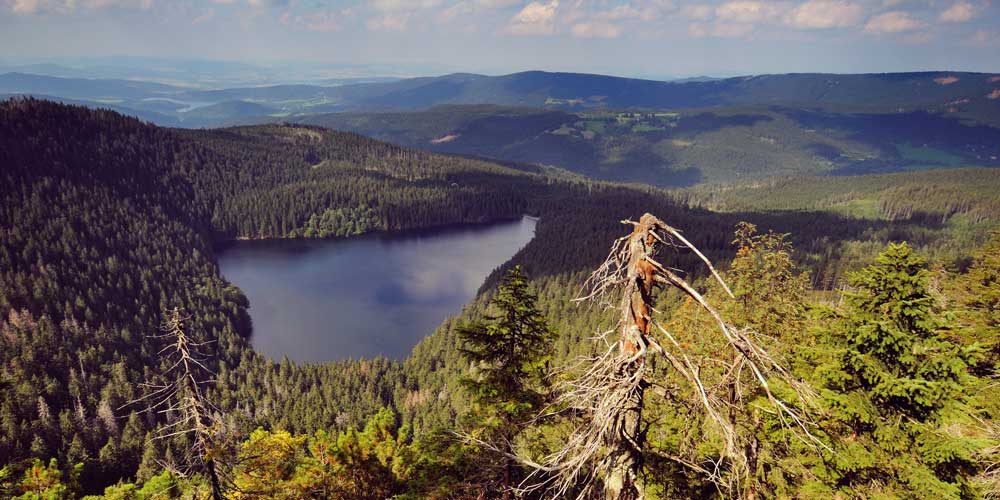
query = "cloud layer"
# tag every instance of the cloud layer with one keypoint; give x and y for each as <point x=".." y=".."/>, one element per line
<point x="574" y="18"/>
<point x="644" y="25"/>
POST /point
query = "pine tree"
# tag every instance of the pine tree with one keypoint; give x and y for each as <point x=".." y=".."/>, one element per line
<point x="892" y="386"/>
<point x="148" y="466"/>
<point x="509" y="352"/>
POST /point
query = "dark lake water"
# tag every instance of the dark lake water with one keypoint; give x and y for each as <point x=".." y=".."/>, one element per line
<point x="325" y="300"/>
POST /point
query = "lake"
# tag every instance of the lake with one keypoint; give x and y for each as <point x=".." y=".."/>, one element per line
<point x="326" y="300"/>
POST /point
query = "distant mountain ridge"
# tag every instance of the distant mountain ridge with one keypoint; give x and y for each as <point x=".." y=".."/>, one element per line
<point x="666" y="133"/>
<point x="83" y="88"/>
<point x="578" y="90"/>
<point x="970" y="95"/>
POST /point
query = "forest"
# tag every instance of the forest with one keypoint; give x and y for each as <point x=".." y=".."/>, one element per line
<point x="856" y="357"/>
<point x="687" y="146"/>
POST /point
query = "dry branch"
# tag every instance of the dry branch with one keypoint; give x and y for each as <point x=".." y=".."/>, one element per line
<point x="605" y="448"/>
<point x="182" y="401"/>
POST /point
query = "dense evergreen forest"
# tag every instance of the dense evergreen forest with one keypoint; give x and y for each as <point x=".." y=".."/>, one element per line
<point x="107" y="224"/>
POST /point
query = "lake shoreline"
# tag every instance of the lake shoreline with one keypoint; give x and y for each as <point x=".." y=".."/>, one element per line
<point x="318" y="300"/>
<point x="220" y="245"/>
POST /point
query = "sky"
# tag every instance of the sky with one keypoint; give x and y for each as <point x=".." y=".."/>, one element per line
<point x="648" y="38"/>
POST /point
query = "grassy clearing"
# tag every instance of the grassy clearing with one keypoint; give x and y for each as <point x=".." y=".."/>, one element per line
<point x="596" y="126"/>
<point x="645" y="127"/>
<point x="929" y="155"/>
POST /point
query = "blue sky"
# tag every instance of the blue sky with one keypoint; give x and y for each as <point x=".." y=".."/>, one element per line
<point x="636" y="37"/>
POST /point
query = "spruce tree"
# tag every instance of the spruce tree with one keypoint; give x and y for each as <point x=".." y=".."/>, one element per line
<point x="509" y="351"/>
<point x="892" y="385"/>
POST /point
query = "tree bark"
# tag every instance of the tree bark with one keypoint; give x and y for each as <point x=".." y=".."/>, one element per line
<point x="506" y="478"/>
<point x="624" y="480"/>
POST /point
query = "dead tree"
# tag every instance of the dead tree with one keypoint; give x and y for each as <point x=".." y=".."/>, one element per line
<point x="606" y="447"/>
<point x="182" y="401"/>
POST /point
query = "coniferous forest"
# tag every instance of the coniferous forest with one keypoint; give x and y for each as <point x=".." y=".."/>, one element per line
<point x="847" y="346"/>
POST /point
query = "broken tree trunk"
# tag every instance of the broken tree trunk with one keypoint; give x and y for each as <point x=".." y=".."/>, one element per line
<point x="624" y="481"/>
<point x="606" y="394"/>
<point x="181" y="397"/>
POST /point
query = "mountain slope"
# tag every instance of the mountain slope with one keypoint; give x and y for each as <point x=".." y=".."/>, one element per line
<point x="109" y="222"/>
<point x="687" y="146"/>
<point x="970" y="194"/>
<point x="931" y="91"/>
<point x="82" y="88"/>
<point x="537" y="88"/>
<point x="969" y="95"/>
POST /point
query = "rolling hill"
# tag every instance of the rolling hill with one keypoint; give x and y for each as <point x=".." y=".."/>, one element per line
<point x="678" y="133"/>
<point x="886" y="92"/>
<point x="969" y="194"/>
<point x="687" y="146"/>
<point x="969" y="95"/>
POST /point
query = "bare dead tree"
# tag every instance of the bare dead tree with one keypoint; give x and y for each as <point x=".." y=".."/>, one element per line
<point x="182" y="401"/>
<point x="607" y="394"/>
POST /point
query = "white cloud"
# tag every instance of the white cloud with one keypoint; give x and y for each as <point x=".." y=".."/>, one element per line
<point x="26" y="6"/>
<point x="455" y="11"/>
<point x="274" y="4"/>
<point x="746" y="11"/>
<point x="824" y="14"/>
<point x="68" y="6"/>
<point x="982" y="38"/>
<point x="204" y="17"/>
<point x="699" y="12"/>
<point x="720" y="30"/>
<point x="535" y="19"/>
<point x="596" y="29"/>
<point x="404" y="5"/>
<point x="642" y="11"/>
<point x="893" y="22"/>
<point x="324" y="22"/>
<point x="959" y="13"/>
<point x="916" y="38"/>
<point x="390" y="22"/>
<point x="497" y="4"/>
<point x="624" y="11"/>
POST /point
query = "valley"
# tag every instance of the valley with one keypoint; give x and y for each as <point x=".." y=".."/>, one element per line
<point x="685" y="147"/>
<point x="144" y="214"/>
<point x="499" y="250"/>
<point x="669" y="134"/>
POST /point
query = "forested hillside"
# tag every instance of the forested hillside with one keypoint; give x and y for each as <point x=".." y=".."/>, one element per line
<point x="109" y="223"/>
<point x="928" y="91"/>
<point x="685" y="146"/>
<point x="967" y="194"/>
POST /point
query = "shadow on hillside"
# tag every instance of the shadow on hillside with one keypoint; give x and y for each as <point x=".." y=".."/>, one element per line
<point x="710" y="122"/>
